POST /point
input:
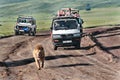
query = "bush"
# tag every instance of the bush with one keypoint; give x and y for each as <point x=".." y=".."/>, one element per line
<point x="88" y="7"/>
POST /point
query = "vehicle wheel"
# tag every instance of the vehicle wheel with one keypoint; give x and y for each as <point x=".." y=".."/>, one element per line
<point x="35" y="30"/>
<point x="55" y="47"/>
<point x="30" y="33"/>
<point x="16" y="33"/>
<point x="33" y="33"/>
<point x="81" y="30"/>
<point x="77" y="46"/>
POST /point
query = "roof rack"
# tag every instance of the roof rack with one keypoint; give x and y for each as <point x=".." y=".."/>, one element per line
<point x="72" y="9"/>
<point x="68" y="12"/>
<point x="64" y="17"/>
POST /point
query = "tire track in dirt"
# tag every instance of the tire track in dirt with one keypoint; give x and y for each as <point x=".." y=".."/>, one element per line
<point x="76" y="57"/>
<point x="13" y="48"/>
<point x="88" y="63"/>
<point x="9" y="46"/>
<point x="14" y="45"/>
<point x="19" y="57"/>
<point x="101" y="67"/>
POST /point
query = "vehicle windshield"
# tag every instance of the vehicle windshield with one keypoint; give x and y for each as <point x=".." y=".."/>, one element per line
<point x="24" y="20"/>
<point x="65" y="24"/>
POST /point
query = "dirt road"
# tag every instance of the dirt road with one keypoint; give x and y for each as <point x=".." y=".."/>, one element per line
<point x="98" y="58"/>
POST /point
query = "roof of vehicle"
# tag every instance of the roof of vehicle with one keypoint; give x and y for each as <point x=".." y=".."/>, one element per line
<point x="64" y="17"/>
<point x="26" y="17"/>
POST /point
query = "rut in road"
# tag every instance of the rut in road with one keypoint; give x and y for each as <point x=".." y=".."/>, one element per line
<point x="69" y="60"/>
<point x="67" y="63"/>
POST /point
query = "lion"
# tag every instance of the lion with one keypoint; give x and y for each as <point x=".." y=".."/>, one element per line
<point x="39" y="56"/>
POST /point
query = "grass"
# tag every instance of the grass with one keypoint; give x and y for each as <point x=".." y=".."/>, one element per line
<point x="95" y="17"/>
<point x="101" y="16"/>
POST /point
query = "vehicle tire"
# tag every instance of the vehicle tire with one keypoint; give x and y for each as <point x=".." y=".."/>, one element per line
<point x="81" y="30"/>
<point x="35" y="30"/>
<point x="77" y="46"/>
<point x="30" y="33"/>
<point x="33" y="33"/>
<point x="16" y="33"/>
<point x="55" y="47"/>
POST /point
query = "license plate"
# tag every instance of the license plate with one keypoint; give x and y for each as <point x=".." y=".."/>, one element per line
<point x="21" y="30"/>
<point x="68" y="41"/>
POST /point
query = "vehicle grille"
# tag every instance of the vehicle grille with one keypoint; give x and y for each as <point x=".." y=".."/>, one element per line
<point x="67" y="36"/>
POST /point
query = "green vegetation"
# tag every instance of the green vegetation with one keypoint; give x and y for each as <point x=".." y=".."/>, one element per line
<point x="103" y="16"/>
<point x="102" y="12"/>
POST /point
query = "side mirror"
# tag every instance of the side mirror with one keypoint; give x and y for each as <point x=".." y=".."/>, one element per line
<point x="82" y="21"/>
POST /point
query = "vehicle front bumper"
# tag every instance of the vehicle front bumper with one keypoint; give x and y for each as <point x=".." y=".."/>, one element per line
<point x="23" y="30"/>
<point x="67" y="42"/>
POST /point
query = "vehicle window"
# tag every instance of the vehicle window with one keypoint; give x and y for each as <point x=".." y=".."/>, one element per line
<point x="71" y="24"/>
<point x="65" y="24"/>
<point x="25" y="20"/>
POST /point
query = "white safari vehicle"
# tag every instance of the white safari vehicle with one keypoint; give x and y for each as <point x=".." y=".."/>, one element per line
<point x="66" y="31"/>
<point x="25" y="25"/>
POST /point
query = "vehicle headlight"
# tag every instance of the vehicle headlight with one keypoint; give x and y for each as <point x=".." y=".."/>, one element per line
<point x="77" y="35"/>
<point x="17" y="27"/>
<point x="56" y="36"/>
